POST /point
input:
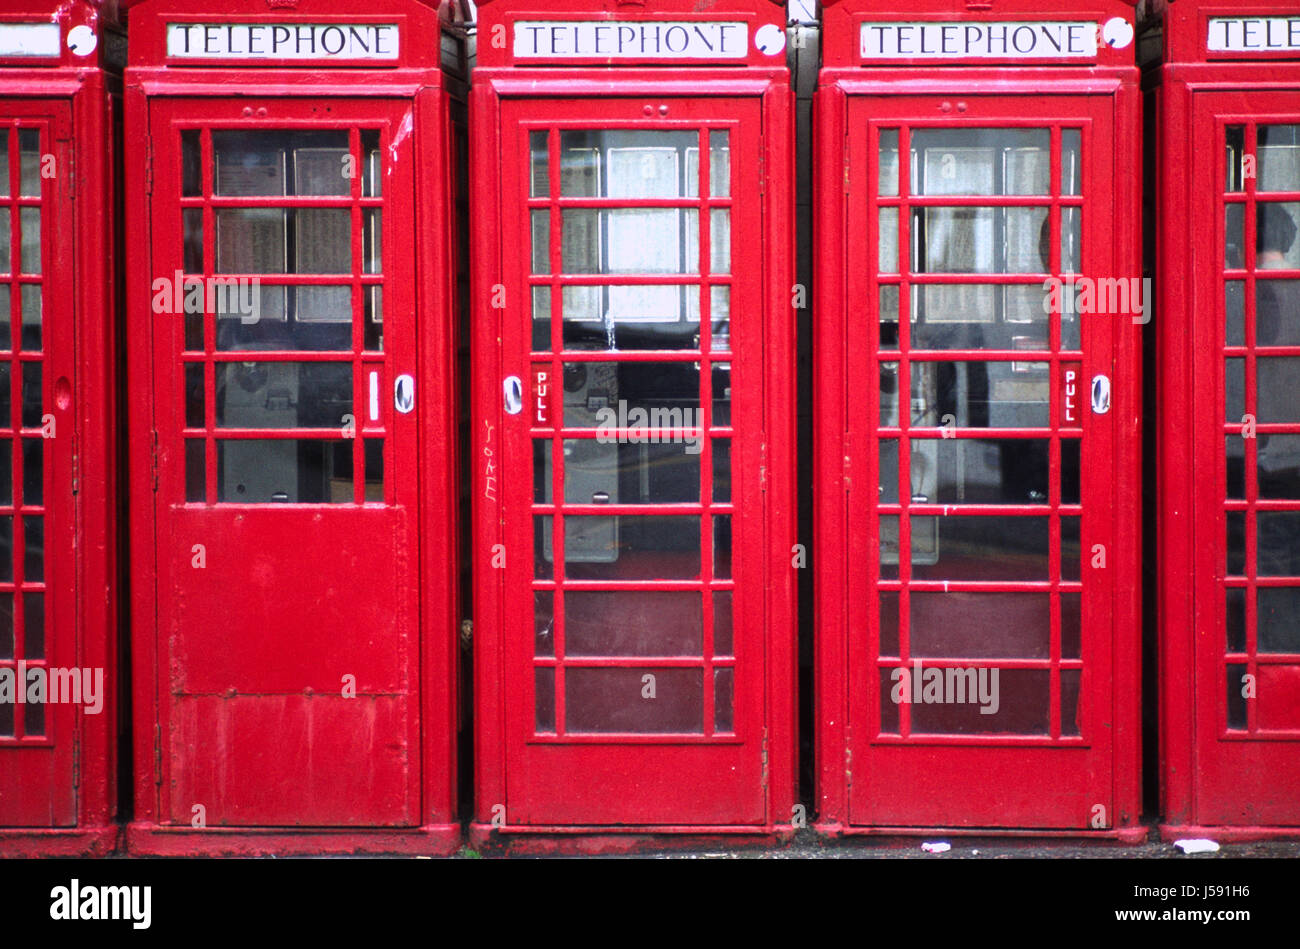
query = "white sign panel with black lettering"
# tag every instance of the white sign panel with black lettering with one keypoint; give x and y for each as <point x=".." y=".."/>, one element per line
<point x="1253" y="34"/>
<point x="36" y="40"/>
<point x="612" y="39"/>
<point x="1058" y="39"/>
<point x="279" y="41"/>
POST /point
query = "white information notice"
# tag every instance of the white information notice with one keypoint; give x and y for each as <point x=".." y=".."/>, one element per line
<point x="29" y="39"/>
<point x="310" y="41"/>
<point x="613" y="39"/>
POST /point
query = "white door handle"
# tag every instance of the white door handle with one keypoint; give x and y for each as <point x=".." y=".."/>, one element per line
<point x="404" y="393"/>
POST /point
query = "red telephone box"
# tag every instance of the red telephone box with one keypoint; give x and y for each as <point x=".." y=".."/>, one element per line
<point x="977" y="542"/>
<point x="59" y="107"/>
<point x="1229" y="207"/>
<point x="292" y="428"/>
<point x="633" y="474"/>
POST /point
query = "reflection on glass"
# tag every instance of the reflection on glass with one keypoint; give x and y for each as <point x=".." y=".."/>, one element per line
<point x="981" y="161"/>
<point x="539" y="152"/>
<point x="1277" y="312"/>
<point x="1277" y="627"/>
<point x="283" y="394"/>
<point x="605" y="700"/>
<point x="981" y="625"/>
<point x="29" y="163"/>
<point x="645" y="466"/>
<point x="284" y="471"/>
<point x="1278" y="378"/>
<point x="281" y="163"/>
<point x="1277" y="543"/>
<point x="1234" y="158"/>
<point x="636" y="548"/>
<point x="31" y="317"/>
<point x="1278" y="157"/>
<point x="29" y="220"/>
<point x="1071" y="162"/>
<point x="980" y="548"/>
<point x="633" y="623"/>
<point x="887" y="174"/>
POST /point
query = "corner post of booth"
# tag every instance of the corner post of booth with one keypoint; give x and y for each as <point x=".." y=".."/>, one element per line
<point x="633" y="475"/>
<point x="60" y="99"/>
<point x="293" y="424"/>
<point x="1228" y="205"/>
<point x="979" y="304"/>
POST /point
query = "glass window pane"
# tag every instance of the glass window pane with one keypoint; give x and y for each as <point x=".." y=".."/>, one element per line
<point x="1071" y="162"/>
<point x="6" y="247"/>
<point x="283" y="394"/>
<point x="309" y="318"/>
<point x="722" y="624"/>
<point x="1279" y="381"/>
<point x="372" y="177"/>
<point x="1277" y="543"/>
<point x="722" y="547"/>
<point x="636" y="466"/>
<point x="30" y="223"/>
<point x="33" y="395"/>
<point x="627" y="163"/>
<point x="1277" y="313"/>
<point x="637" y="700"/>
<point x="1278" y="158"/>
<point x="31" y="315"/>
<point x="29" y="162"/>
<point x="543" y="623"/>
<point x="544" y="699"/>
<point x="1234" y="239"/>
<point x="1071" y="240"/>
<point x="541" y="237"/>
<point x="1235" y="153"/>
<point x="980" y="394"/>
<point x="1236" y="682"/>
<point x="633" y="623"/>
<point x="4" y="163"/>
<point x="6" y="471"/>
<point x="34" y="625"/>
<point x="1234" y="308"/>
<point x="1278" y="457"/>
<point x="719" y="164"/>
<point x="981" y="161"/>
<point x="1235" y="614"/>
<point x="1278" y="620"/>
<point x="192" y="234"/>
<point x="887" y="163"/>
<point x="7" y="643"/>
<point x="981" y="625"/>
<point x="195" y="471"/>
<point x="628" y="394"/>
<point x="374" y="471"/>
<point x="539" y="150"/>
<point x="1276" y="247"/>
<point x="888" y="240"/>
<point x="1234" y="390"/>
<point x="191" y="164"/>
<point x="33" y="471"/>
<point x="723" y="700"/>
<point x="980" y="548"/>
<point x="1006" y="702"/>
<point x="372" y="241"/>
<point x="195" y="397"/>
<point x="6" y="550"/>
<point x="981" y="470"/>
<point x="284" y="471"/>
<point x="275" y="162"/>
<point x="1071" y="626"/>
<point x="632" y="547"/>
<point x="34" y="548"/>
<point x="1235" y="524"/>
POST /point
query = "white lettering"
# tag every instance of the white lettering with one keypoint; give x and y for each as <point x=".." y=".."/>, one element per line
<point x="604" y="39"/>
<point x="1057" y="39"/>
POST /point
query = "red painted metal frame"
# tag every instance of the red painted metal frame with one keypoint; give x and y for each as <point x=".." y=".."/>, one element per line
<point x="1193" y="89"/>
<point x="80" y="96"/>
<point x="496" y="81"/>
<point x="416" y="77"/>
<point x="838" y="462"/>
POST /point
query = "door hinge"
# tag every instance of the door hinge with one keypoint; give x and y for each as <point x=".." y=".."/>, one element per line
<point x="153" y="464"/>
<point x="157" y="753"/>
<point x="848" y="757"/>
<point x="762" y="467"/>
<point x="76" y="764"/>
<point x="72" y="172"/>
<point x="76" y="472"/>
<point x="762" y="166"/>
<point x="846" y="170"/>
<point x="765" y="758"/>
<point x="148" y="166"/>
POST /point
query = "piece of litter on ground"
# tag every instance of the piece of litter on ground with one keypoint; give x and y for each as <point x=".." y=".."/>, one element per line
<point x="936" y="848"/>
<point x="1196" y="845"/>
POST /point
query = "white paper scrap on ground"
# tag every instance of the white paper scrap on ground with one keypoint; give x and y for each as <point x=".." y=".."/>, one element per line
<point x="936" y="848"/>
<point x="1196" y="845"/>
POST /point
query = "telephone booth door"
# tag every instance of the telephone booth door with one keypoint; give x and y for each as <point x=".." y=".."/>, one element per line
<point x="983" y="402"/>
<point x="285" y="425"/>
<point x="38" y="607"/>
<point x="630" y="406"/>
<point x="1246" y="333"/>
